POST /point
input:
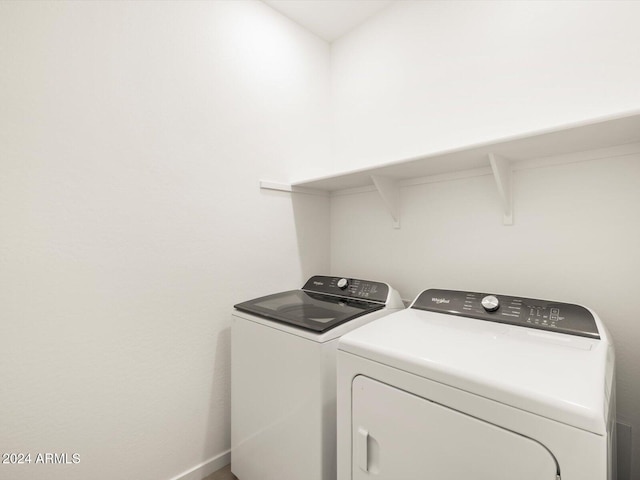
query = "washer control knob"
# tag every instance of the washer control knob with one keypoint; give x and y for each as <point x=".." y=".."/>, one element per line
<point x="490" y="303"/>
<point x="343" y="283"/>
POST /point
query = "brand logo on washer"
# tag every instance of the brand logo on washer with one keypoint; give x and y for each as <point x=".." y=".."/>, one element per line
<point x="318" y="283"/>
<point x="440" y="300"/>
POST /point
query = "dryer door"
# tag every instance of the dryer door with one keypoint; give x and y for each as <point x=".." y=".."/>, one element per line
<point x="399" y="436"/>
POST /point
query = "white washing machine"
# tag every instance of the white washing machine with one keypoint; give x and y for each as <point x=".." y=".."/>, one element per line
<point x="283" y="375"/>
<point x="465" y="385"/>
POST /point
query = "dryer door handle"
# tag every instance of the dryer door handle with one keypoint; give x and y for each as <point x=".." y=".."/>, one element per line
<point x="362" y="455"/>
<point x="367" y="452"/>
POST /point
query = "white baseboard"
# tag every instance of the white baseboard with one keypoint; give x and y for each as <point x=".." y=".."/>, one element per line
<point x="205" y="468"/>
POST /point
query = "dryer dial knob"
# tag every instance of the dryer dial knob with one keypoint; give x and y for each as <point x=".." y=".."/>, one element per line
<point x="490" y="303"/>
<point x="343" y="283"/>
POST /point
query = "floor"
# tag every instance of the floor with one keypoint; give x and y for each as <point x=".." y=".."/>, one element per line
<point x="222" y="474"/>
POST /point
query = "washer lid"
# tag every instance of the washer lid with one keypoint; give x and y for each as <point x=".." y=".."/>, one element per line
<point x="562" y="377"/>
<point x="312" y="311"/>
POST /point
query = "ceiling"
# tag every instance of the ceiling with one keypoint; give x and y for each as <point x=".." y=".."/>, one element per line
<point x="329" y="19"/>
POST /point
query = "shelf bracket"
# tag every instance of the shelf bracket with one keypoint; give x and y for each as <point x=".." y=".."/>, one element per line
<point x="502" y="173"/>
<point x="389" y="191"/>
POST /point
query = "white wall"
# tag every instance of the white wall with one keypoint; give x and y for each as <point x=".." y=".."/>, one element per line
<point x="421" y="77"/>
<point x="132" y="138"/>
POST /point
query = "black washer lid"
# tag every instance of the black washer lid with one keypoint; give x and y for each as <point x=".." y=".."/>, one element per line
<point x="309" y="310"/>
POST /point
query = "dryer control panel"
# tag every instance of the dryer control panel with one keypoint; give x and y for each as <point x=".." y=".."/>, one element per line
<point x="525" y="312"/>
<point x="348" y="287"/>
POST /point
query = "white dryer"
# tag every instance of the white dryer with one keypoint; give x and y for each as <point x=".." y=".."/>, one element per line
<point x="465" y="385"/>
<point x="283" y="375"/>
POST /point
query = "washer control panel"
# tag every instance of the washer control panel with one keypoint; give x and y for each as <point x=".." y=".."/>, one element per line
<point x="525" y="312"/>
<point x="348" y="287"/>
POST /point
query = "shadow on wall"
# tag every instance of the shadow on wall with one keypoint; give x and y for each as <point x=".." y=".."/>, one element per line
<point x="220" y="397"/>
<point x="311" y="216"/>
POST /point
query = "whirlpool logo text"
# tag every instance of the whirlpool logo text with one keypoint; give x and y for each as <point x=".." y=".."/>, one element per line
<point x="440" y="300"/>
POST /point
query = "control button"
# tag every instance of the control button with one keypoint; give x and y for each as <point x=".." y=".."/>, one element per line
<point x="490" y="303"/>
<point x="343" y="283"/>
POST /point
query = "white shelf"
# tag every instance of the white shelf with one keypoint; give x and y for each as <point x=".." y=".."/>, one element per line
<point x="497" y="157"/>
